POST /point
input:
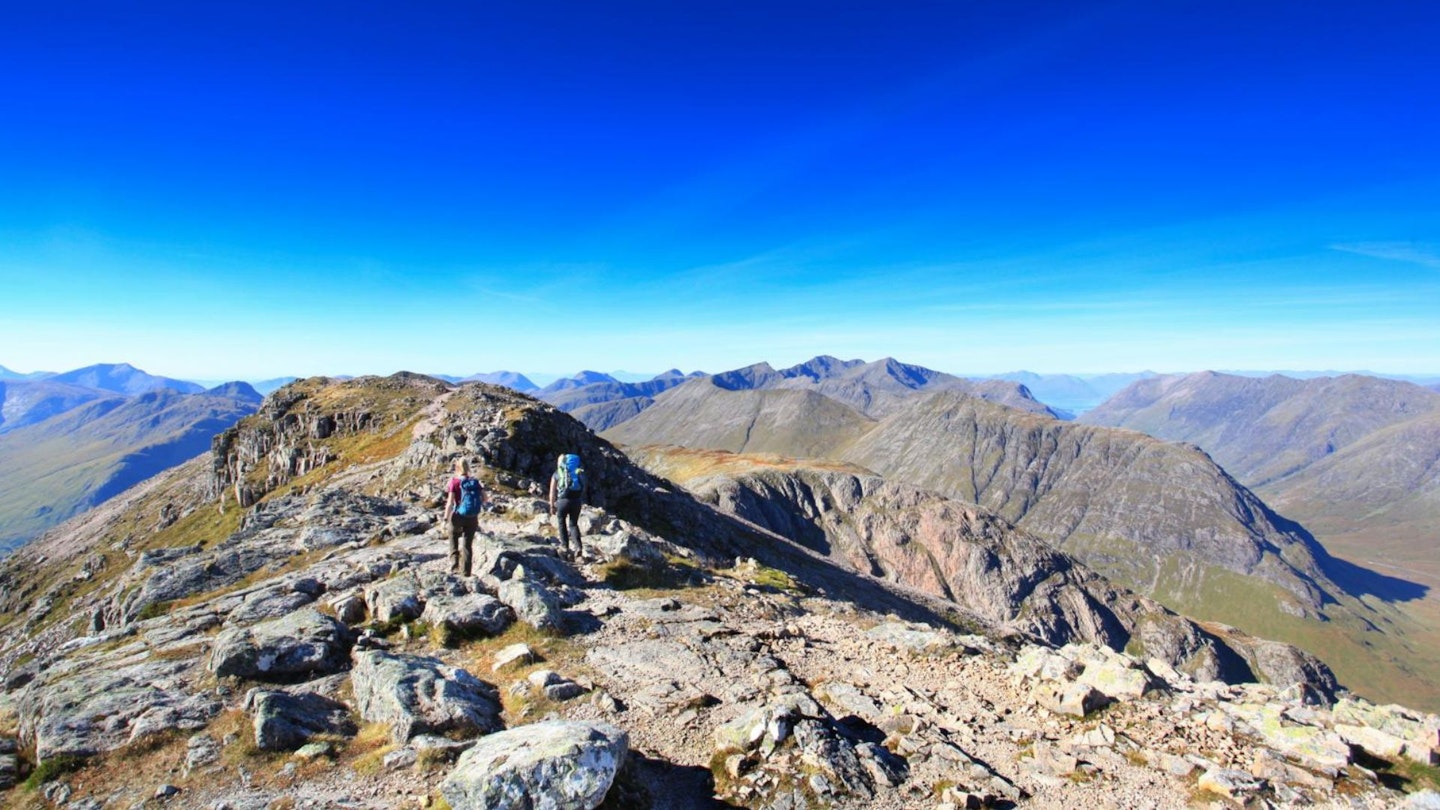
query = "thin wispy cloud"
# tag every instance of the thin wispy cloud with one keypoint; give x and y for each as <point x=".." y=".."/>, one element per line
<point x="1421" y="253"/>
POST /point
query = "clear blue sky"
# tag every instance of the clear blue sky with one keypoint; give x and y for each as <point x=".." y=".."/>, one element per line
<point x="219" y="190"/>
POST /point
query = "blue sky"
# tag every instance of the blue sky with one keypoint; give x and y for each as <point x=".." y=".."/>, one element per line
<point x="254" y="190"/>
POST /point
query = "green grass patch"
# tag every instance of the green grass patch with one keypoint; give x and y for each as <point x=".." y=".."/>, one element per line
<point x="52" y="769"/>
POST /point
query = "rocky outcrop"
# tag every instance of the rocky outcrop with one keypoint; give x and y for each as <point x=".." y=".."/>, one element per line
<point x="571" y="765"/>
<point x="421" y="695"/>
<point x="303" y="644"/>
<point x="1004" y="575"/>
<point x="284" y="722"/>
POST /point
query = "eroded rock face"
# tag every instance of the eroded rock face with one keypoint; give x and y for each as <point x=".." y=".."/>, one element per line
<point x="421" y="695"/>
<point x="302" y="644"/>
<point x="560" y="765"/>
<point x="84" y="710"/>
<point x="1001" y="573"/>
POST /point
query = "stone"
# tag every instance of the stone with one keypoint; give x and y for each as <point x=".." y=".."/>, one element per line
<point x="1419" y="731"/>
<point x="350" y="609"/>
<point x="570" y="764"/>
<point x="164" y="792"/>
<point x="1423" y="800"/>
<point x="100" y="707"/>
<point x="470" y="614"/>
<point x="285" y="722"/>
<point x="200" y="750"/>
<point x="533" y="603"/>
<point x="1230" y="783"/>
<point x="417" y="695"/>
<point x="514" y="656"/>
<point x="9" y="763"/>
<point x="268" y="603"/>
<point x="1117" y="679"/>
<point x="304" y="643"/>
<point x="918" y="639"/>
<point x="554" y="686"/>
<point x="400" y="758"/>
<point x="1074" y="699"/>
<point x="397" y="599"/>
<point x="314" y="750"/>
<point x="1045" y="664"/>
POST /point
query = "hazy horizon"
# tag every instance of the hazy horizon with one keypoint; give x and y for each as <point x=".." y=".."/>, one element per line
<point x="272" y="190"/>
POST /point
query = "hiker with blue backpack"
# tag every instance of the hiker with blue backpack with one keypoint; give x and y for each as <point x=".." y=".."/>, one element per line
<point x="567" y="494"/>
<point x="463" y="502"/>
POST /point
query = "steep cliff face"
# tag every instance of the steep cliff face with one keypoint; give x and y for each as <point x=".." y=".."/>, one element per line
<point x="966" y="555"/>
<point x="1153" y="515"/>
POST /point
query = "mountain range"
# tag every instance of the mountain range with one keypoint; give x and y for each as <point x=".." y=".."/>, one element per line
<point x="72" y="441"/>
<point x="1161" y="518"/>
<point x="275" y="623"/>
<point x="1354" y="458"/>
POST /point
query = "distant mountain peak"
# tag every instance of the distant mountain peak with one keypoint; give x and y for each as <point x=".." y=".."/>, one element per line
<point x="123" y="378"/>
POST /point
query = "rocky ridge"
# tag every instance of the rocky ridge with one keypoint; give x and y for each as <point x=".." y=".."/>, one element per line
<point x="310" y="647"/>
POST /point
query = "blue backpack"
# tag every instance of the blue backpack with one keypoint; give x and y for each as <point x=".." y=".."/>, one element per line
<point x="572" y="475"/>
<point x="470" y="496"/>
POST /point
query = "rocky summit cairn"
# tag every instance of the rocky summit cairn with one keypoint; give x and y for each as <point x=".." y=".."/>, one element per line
<point x="275" y="625"/>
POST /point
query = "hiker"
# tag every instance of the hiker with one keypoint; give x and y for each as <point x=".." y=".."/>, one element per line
<point x="567" y="493"/>
<point x="463" y="500"/>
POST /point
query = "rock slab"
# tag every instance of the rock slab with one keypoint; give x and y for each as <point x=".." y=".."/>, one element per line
<point x="554" y="765"/>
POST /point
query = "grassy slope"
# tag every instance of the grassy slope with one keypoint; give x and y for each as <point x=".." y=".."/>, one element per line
<point x="71" y="462"/>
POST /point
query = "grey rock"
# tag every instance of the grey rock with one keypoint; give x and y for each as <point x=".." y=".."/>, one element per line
<point x="418" y="695"/>
<point x="166" y="792"/>
<point x="400" y="759"/>
<point x="314" y="750"/>
<point x="399" y="598"/>
<point x="1074" y="699"/>
<point x="84" y="710"/>
<point x="350" y="609"/>
<point x="270" y="603"/>
<point x="469" y="614"/>
<point x="200" y="750"/>
<point x="571" y="764"/>
<point x="285" y="722"/>
<point x="1231" y="784"/>
<point x="307" y="642"/>
<point x="9" y="764"/>
<point x="533" y="603"/>
<point x="1424" y="800"/>
<point x="555" y="686"/>
<point x="516" y="655"/>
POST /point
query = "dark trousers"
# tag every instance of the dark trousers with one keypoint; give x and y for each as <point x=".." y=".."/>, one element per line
<point x="462" y="542"/>
<point x="567" y="511"/>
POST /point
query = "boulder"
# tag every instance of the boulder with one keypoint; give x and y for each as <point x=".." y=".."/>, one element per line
<point x="555" y="686"/>
<point x="1418" y="733"/>
<point x="476" y="613"/>
<point x="418" y="695"/>
<point x="516" y="655"/>
<point x="554" y="764"/>
<point x="532" y="602"/>
<point x="303" y="644"/>
<point x="285" y="722"/>
<point x="398" y="599"/>
<point x="1232" y="784"/>
<point x="1074" y="699"/>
